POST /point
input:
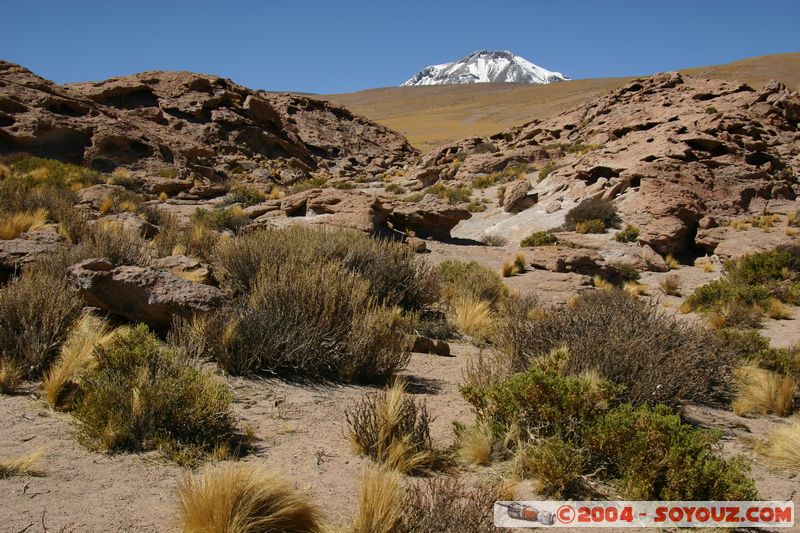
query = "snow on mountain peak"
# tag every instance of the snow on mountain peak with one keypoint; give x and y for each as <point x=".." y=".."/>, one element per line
<point x="485" y="66"/>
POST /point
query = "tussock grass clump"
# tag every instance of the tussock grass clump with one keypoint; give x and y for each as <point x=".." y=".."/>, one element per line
<point x="659" y="358"/>
<point x="592" y="209"/>
<point x="393" y="429"/>
<point x="244" y="194"/>
<point x="11" y="375"/>
<point x="671" y="262"/>
<point x="539" y="238"/>
<point x="453" y="195"/>
<point x="37" y="311"/>
<point x="396" y="275"/>
<point x="143" y="396"/>
<point x="380" y="501"/>
<point x="473" y="317"/>
<point x="670" y="285"/>
<point x="318" y="323"/>
<point x="601" y="283"/>
<point x="634" y="288"/>
<point x="475" y="443"/>
<point x="760" y="392"/>
<point x="629" y="234"/>
<point x="13" y="224"/>
<point x="243" y="498"/>
<point x="520" y="263"/>
<point x="783" y="447"/>
<point x="507" y="270"/>
<point x="460" y="279"/>
<point x="61" y="383"/>
<point x="27" y="465"/>
<point x="493" y="239"/>
<point x="777" y="310"/>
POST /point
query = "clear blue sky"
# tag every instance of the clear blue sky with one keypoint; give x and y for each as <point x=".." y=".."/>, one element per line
<point x="330" y="46"/>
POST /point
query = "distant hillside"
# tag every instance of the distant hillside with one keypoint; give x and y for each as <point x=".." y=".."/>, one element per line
<point x="434" y="115"/>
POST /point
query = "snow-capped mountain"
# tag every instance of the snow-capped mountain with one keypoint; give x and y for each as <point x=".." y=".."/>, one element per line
<point x="485" y="66"/>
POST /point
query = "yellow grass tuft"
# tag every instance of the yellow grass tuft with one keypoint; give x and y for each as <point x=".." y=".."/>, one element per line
<point x="671" y="262"/>
<point x="380" y="501"/>
<point x="243" y="498"/>
<point x="12" y="224"/>
<point x="778" y="310"/>
<point x="27" y="465"/>
<point x="519" y="263"/>
<point x="507" y="270"/>
<point x="634" y="289"/>
<point x="163" y="197"/>
<point x="783" y="447"/>
<point x="76" y="360"/>
<point x="475" y="444"/>
<point x="601" y="283"/>
<point x="670" y="285"/>
<point x="708" y="266"/>
<point x="10" y="376"/>
<point x="106" y="205"/>
<point x="760" y="392"/>
<point x="473" y="316"/>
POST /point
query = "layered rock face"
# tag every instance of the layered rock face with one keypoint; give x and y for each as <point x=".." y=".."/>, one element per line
<point x="669" y="151"/>
<point x="206" y="126"/>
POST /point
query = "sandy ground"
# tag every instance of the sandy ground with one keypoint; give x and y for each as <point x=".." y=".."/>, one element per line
<point x="301" y="430"/>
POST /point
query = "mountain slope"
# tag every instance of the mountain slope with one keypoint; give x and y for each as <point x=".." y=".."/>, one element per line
<point x="433" y="115"/>
<point x="485" y="66"/>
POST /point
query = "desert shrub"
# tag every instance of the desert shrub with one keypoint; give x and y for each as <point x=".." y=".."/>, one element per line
<point x="244" y="195"/>
<point x="121" y="201"/>
<point x="454" y="195"/>
<point x="26" y="465"/>
<point x="125" y="178"/>
<point x="493" y="239"/>
<point x="395" y="274"/>
<point x="539" y="238"/>
<point x="53" y="173"/>
<point x="11" y="375"/>
<point x="144" y="396"/>
<point x="540" y="402"/>
<point x="243" y="498"/>
<point x="670" y="285"/>
<point x="754" y="279"/>
<point x="760" y="392"/>
<point x="221" y="218"/>
<point x="307" y="184"/>
<point x="594" y="225"/>
<point x="592" y="209"/>
<point x="629" y="234"/>
<point x="460" y="279"/>
<point x="37" y="311"/>
<point x="448" y="504"/>
<point x="556" y="466"/>
<point x="624" y="271"/>
<point x="115" y="243"/>
<point x="393" y="429"/>
<point x="783" y="447"/>
<point x="656" y="456"/>
<point x="318" y="322"/>
<point x="659" y="358"/>
<point x="547" y="169"/>
<point x="433" y="323"/>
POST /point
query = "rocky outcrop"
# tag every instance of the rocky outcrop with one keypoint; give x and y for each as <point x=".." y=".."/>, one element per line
<point x="669" y="150"/>
<point x="142" y="294"/>
<point x="564" y="259"/>
<point x="424" y="344"/>
<point x="516" y="197"/>
<point x="14" y="253"/>
<point x="208" y="127"/>
<point x="430" y="217"/>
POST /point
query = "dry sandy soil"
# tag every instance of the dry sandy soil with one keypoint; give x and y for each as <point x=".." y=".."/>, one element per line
<point x="301" y="432"/>
<point x="430" y="116"/>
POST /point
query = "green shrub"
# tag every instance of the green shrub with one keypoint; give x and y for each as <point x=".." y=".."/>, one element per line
<point x="460" y="279"/>
<point x="592" y="209"/>
<point x="221" y="218"/>
<point x="625" y="271"/>
<point x="657" y="457"/>
<point x="143" y="396"/>
<point x="547" y="169"/>
<point x="591" y="226"/>
<point x="556" y="465"/>
<point x="37" y="310"/>
<point x="245" y="195"/>
<point x="629" y="234"/>
<point x="311" y="320"/>
<point x="541" y="402"/>
<point x="52" y="172"/>
<point x="396" y="275"/>
<point x="454" y="195"/>
<point x="310" y="183"/>
<point x="658" y="357"/>
<point x="539" y="238"/>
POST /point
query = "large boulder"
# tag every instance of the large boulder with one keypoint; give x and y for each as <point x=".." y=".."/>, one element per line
<point x="564" y="259"/>
<point x="335" y="207"/>
<point x="142" y="294"/>
<point x="429" y="217"/>
<point x="516" y="197"/>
